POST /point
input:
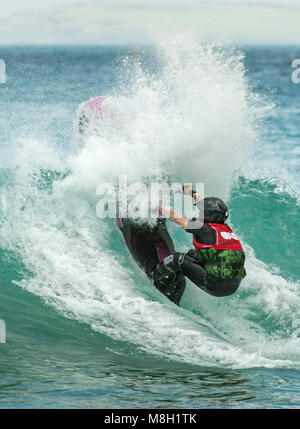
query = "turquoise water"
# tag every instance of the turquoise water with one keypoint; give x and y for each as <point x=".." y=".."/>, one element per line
<point x="84" y="327"/>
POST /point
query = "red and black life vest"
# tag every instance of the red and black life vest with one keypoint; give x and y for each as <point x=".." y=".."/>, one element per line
<point x="225" y="238"/>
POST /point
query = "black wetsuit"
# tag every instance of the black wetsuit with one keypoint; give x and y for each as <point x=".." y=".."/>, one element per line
<point x="194" y="271"/>
<point x="218" y="272"/>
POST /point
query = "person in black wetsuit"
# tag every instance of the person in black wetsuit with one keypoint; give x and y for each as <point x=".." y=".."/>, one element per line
<point x="216" y="264"/>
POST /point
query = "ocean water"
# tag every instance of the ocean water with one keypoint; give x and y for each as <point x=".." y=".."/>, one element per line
<point x="84" y="326"/>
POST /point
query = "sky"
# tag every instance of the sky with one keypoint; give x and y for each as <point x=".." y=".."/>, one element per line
<point x="15" y="6"/>
<point x="114" y="22"/>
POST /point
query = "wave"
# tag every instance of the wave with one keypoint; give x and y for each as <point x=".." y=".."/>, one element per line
<point x="266" y="212"/>
<point x="77" y="263"/>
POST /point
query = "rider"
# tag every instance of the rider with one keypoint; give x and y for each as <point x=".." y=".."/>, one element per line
<point x="216" y="265"/>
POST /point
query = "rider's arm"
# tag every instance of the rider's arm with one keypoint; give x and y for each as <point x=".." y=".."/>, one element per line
<point x="191" y="190"/>
<point x="174" y="216"/>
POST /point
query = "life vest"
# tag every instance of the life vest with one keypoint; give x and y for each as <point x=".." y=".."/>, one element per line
<point x="225" y="238"/>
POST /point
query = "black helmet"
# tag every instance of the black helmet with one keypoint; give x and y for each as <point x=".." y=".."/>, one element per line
<point x="215" y="210"/>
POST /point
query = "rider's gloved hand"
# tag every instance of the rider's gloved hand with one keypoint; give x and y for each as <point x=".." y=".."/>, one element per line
<point x="189" y="190"/>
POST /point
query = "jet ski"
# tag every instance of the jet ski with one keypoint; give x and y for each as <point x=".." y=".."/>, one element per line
<point x="148" y="246"/>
